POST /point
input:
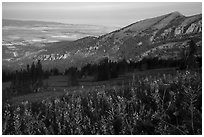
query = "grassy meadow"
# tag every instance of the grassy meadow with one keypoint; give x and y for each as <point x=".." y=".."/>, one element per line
<point x="162" y="101"/>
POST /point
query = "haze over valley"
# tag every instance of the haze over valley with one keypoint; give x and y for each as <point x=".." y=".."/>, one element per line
<point x="76" y="45"/>
<point x="24" y="38"/>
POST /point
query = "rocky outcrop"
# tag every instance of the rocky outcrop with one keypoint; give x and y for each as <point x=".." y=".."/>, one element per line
<point x="166" y="32"/>
<point x="53" y="56"/>
<point x="179" y="30"/>
<point x="195" y="27"/>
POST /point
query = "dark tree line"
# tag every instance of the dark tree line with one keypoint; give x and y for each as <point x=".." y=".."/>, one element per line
<point x="105" y="70"/>
<point x="7" y="75"/>
<point x="73" y="75"/>
<point x="33" y="72"/>
<point x="54" y="72"/>
<point x="190" y="59"/>
<point x="26" y="80"/>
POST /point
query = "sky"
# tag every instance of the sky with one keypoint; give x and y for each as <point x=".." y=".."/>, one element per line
<point x="99" y="13"/>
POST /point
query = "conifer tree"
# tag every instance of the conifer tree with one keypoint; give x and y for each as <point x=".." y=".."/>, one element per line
<point x="33" y="73"/>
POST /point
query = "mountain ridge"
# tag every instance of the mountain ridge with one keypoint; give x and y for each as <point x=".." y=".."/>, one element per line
<point x="46" y="22"/>
<point x="131" y="42"/>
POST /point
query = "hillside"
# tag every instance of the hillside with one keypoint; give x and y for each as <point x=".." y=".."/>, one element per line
<point x="162" y="36"/>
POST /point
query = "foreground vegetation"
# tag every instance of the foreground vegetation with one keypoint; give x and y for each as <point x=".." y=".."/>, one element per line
<point x="154" y="104"/>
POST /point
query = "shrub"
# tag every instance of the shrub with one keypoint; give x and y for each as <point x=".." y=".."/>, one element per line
<point x="156" y="104"/>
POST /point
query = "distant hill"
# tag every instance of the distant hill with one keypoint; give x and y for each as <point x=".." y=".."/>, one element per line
<point x="163" y="36"/>
<point x="11" y="22"/>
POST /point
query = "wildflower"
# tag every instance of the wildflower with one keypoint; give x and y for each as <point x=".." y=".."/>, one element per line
<point x="18" y="108"/>
<point x="24" y="103"/>
<point x="171" y="93"/>
<point x="67" y="94"/>
<point x="166" y="86"/>
<point x="57" y="101"/>
<point x="187" y="72"/>
<point x="176" y="113"/>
